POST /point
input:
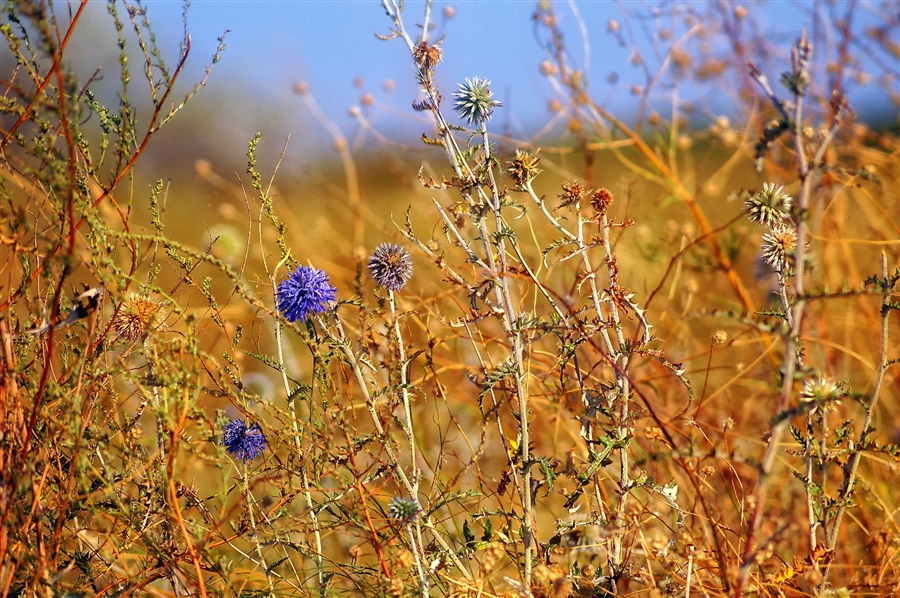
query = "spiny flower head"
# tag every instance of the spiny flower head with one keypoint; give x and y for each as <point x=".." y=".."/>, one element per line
<point x="137" y="316"/>
<point x="474" y="101"/>
<point x="306" y="291"/>
<point x="427" y="56"/>
<point x="600" y="201"/>
<point x="404" y="509"/>
<point x="823" y="392"/>
<point x="778" y="248"/>
<point x="391" y="266"/>
<point x="769" y="206"/>
<point x="524" y="168"/>
<point x="243" y="441"/>
<point x="571" y="193"/>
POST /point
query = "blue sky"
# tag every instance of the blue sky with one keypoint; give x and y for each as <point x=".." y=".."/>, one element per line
<point x="331" y="46"/>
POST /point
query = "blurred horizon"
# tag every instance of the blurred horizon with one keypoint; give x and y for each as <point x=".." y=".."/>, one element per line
<point x="331" y="49"/>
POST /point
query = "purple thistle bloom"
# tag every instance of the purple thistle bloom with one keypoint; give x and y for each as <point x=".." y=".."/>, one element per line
<point x="244" y="442"/>
<point x="391" y="266"/>
<point x="306" y="291"/>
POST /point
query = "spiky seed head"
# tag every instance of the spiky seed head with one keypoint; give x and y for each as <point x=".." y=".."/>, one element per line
<point x="821" y="389"/>
<point x="390" y="266"/>
<point x="427" y="56"/>
<point x="779" y="247"/>
<point x="571" y="193"/>
<point x="306" y="291"/>
<point x="769" y="206"/>
<point x="139" y="315"/>
<point x="823" y="393"/>
<point x="404" y="509"/>
<point x="474" y="101"/>
<point x="523" y="168"/>
<point x="600" y="201"/>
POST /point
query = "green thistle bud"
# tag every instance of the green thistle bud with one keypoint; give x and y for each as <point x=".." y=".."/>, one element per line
<point x="404" y="509"/>
<point x="473" y="101"/>
<point x="769" y="206"/>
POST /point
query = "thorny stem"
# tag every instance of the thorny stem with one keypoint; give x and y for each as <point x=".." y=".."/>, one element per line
<point x="423" y="581"/>
<point x="622" y="428"/>
<point x="792" y="355"/>
<point x="399" y="474"/>
<point x="250" y="505"/>
<point x="808" y="482"/>
<point x="497" y="268"/>
<point x="850" y="469"/>
<point x="298" y="439"/>
<point x="304" y="476"/>
<point x="411" y="438"/>
<point x="623" y="390"/>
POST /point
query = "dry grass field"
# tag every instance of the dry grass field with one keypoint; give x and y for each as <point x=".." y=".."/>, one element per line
<point x="651" y="356"/>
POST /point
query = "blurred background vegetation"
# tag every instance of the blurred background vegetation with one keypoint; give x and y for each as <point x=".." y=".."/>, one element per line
<point x="654" y="102"/>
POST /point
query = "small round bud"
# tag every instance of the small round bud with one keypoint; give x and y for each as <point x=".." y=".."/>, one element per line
<point x="548" y="69"/>
<point x="719" y="337"/>
<point x="404" y="509"/>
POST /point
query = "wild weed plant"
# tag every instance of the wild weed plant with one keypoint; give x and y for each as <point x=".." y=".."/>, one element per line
<point x="525" y="390"/>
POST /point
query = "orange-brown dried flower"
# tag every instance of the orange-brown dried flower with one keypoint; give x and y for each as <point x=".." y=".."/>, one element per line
<point x="427" y="56"/>
<point x="523" y="167"/>
<point x="600" y="201"/>
<point x="571" y="193"/>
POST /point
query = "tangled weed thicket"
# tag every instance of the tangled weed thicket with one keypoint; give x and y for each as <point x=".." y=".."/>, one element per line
<point x="672" y="379"/>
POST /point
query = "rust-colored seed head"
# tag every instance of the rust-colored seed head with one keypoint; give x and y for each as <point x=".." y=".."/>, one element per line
<point x="571" y="193"/>
<point x="600" y="201"/>
<point x="523" y="169"/>
<point x="427" y="56"/>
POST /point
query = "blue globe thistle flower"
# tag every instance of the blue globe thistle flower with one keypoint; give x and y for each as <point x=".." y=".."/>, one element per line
<point x="474" y="101"/>
<point x="390" y="266"/>
<point x="404" y="509"/>
<point x="306" y="291"/>
<point x="243" y="441"/>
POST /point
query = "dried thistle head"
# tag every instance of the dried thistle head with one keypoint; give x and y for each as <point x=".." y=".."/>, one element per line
<point x="523" y="168"/>
<point x="571" y="193"/>
<point x="779" y="247"/>
<point x="719" y="337"/>
<point x="600" y="201"/>
<point x="493" y="553"/>
<point x="391" y="266"/>
<point x="427" y="56"/>
<point x="138" y="316"/>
